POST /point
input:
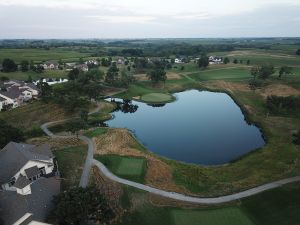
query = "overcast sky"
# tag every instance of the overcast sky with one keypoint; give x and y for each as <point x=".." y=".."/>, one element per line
<point x="149" y="19"/>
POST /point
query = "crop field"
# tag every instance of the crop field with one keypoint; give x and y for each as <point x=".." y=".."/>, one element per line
<point x="39" y="55"/>
<point x="132" y="168"/>
<point x="222" y="216"/>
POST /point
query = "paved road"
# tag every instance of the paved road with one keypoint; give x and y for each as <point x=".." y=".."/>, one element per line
<point x="223" y="199"/>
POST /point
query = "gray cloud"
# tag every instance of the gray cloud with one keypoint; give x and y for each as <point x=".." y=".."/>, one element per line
<point x="49" y="22"/>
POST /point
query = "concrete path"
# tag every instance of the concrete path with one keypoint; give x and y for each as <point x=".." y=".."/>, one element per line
<point x="210" y="201"/>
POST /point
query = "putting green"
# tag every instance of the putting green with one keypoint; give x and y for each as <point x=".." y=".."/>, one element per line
<point x="131" y="167"/>
<point x="157" y="98"/>
<point x="222" y="216"/>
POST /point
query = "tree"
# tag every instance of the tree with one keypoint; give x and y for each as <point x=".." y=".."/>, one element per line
<point x="9" y="133"/>
<point x="157" y="74"/>
<point x="285" y="70"/>
<point x="297" y="138"/>
<point x="78" y="206"/>
<point x="24" y="66"/>
<point x="241" y="61"/>
<point x="84" y="115"/>
<point x="112" y="74"/>
<point x="95" y="74"/>
<point x="298" y="52"/>
<point x="262" y="72"/>
<point x="29" y="79"/>
<point x="74" y="126"/>
<point x="9" y="65"/>
<point x="203" y="62"/>
<point x="45" y="90"/>
<point x="266" y="71"/>
<point x="235" y="61"/>
<point x="226" y="60"/>
<point x="248" y="62"/>
<point x="73" y="74"/>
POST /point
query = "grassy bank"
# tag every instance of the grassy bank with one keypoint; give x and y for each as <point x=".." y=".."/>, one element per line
<point x="70" y="164"/>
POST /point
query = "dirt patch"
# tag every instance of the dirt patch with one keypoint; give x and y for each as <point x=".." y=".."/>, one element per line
<point x="56" y="143"/>
<point x="121" y="142"/>
<point x="170" y="76"/>
<point x="229" y="86"/>
<point x="278" y="90"/>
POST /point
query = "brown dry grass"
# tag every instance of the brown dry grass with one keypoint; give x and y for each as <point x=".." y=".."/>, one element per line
<point x="273" y="89"/>
<point x="170" y="76"/>
<point x="56" y="143"/>
<point x="121" y="142"/>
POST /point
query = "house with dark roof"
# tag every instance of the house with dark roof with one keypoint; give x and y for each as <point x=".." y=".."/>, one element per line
<point x="23" y="164"/>
<point x="17" y="92"/>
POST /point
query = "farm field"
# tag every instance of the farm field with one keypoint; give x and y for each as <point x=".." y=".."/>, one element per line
<point x="40" y="55"/>
<point x="54" y="74"/>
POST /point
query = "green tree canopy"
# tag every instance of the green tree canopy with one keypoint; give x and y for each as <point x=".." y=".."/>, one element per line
<point x="9" y="66"/>
<point x="203" y="62"/>
<point x="112" y="74"/>
<point x="285" y="70"/>
<point x="78" y="206"/>
<point x="9" y="133"/>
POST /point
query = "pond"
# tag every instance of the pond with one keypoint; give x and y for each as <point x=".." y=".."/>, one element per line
<point x="200" y="127"/>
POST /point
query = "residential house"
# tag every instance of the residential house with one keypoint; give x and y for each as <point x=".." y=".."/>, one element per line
<point x="2" y="103"/>
<point x="178" y="61"/>
<point x="92" y="62"/>
<point x="120" y="61"/>
<point x="215" y="60"/>
<point x="70" y="66"/>
<point x="82" y="67"/>
<point x="17" y="92"/>
<point x="50" y="65"/>
<point x="23" y="164"/>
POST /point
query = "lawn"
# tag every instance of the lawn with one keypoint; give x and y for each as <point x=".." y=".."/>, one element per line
<point x="157" y="98"/>
<point x="70" y="164"/>
<point x="280" y="206"/>
<point x="96" y="132"/>
<point x="230" y="74"/>
<point x="132" y="168"/>
<point x="35" y="76"/>
<point x="221" y="216"/>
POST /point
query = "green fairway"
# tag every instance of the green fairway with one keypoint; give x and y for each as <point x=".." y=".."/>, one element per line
<point x="157" y="98"/>
<point x="232" y="74"/>
<point x="280" y="206"/>
<point x="222" y="216"/>
<point x="131" y="168"/>
<point x="70" y="164"/>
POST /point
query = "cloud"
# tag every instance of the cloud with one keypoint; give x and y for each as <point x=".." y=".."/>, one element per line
<point x="139" y="19"/>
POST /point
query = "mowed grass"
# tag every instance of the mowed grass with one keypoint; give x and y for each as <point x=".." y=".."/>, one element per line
<point x="222" y="216"/>
<point x="35" y="76"/>
<point x="70" y="164"/>
<point x="157" y="98"/>
<point x="231" y="74"/>
<point x="96" y="132"/>
<point x="132" y="168"/>
<point x="280" y="206"/>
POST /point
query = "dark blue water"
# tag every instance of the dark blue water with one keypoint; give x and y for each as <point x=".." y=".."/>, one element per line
<point x="200" y="127"/>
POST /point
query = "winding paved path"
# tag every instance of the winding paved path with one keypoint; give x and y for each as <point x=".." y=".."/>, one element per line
<point x="91" y="161"/>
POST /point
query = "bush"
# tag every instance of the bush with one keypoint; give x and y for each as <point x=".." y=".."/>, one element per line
<point x="277" y="104"/>
<point x="80" y="206"/>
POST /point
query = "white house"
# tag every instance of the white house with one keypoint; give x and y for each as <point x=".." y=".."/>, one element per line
<point x="178" y="61"/>
<point x="82" y="67"/>
<point x="52" y="82"/>
<point x="215" y="60"/>
<point x="22" y="164"/>
<point x="50" y="65"/>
